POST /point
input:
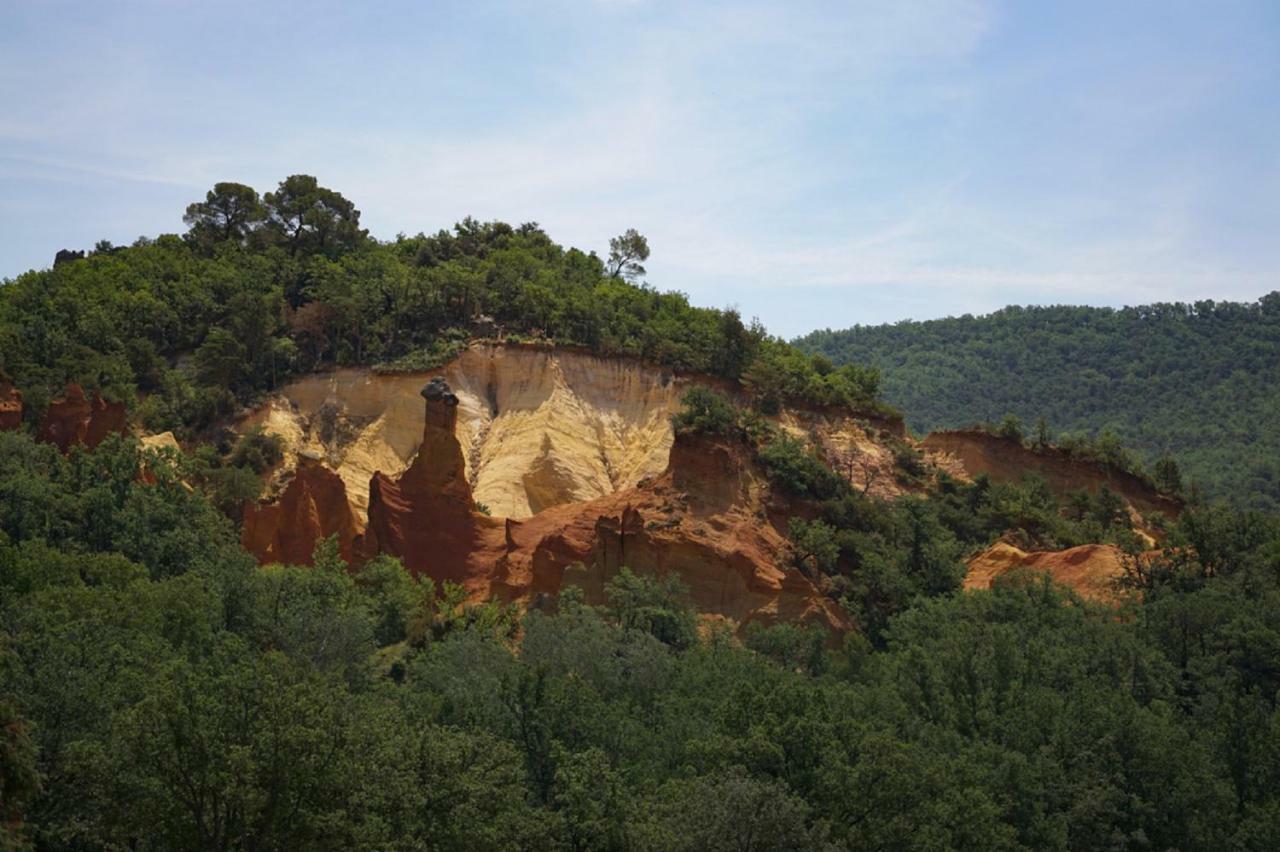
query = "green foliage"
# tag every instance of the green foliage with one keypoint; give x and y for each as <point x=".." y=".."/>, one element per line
<point x="257" y="451"/>
<point x="1168" y="476"/>
<point x="657" y="606"/>
<point x="19" y="782"/>
<point x="229" y="213"/>
<point x="782" y="375"/>
<point x="261" y="290"/>
<point x="1199" y="382"/>
<point x="797" y="470"/>
<point x="627" y="253"/>
<point x="813" y="543"/>
<point x="226" y="706"/>
<point x="790" y="645"/>
<point x="706" y="412"/>
<point x="1011" y="428"/>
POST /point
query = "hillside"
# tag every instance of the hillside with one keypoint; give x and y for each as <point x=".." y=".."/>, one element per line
<point x="474" y="541"/>
<point x="1199" y="383"/>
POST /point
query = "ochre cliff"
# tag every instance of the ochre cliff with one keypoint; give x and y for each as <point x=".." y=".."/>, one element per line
<point x="312" y="507"/>
<point x="702" y="518"/>
<point x="76" y="418"/>
<point x="427" y="517"/>
<point x="1006" y="460"/>
<point x="537" y="427"/>
<point x="1090" y="570"/>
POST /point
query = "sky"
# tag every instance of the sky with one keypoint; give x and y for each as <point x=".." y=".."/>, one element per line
<point x="813" y="164"/>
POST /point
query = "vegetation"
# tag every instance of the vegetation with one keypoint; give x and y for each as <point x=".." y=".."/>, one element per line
<point x="162" y="692"/>
<point x="262" y="288"/>
<point x="706" y="412"/>
<point x="158" y="690"/>
<point x="1199" y="383"/>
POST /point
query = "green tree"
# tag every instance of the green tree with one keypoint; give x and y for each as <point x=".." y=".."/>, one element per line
<point x="307" y="217"/>
<point x="228" y="213"/>
<point x="657" y="606"/>
<point x="1010" y="428"/>
<point x="1168" y="476"/>
<point x="706" y="412"/>
<point x="627" y="255"/>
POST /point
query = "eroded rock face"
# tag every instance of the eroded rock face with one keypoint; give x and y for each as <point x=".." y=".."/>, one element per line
<point x="1090" y="570"/>
<point x="161" y="441"/>
<point x="537" y="428"/>
<point x="513" y="471"/>
<point x="10" y="406"/>
<point x="702" y="518"/>
<point x="427" y="517"/>
<point x="1004" y="460"/>
<point x="77" y="419"/>
<point x="313" y="507"/>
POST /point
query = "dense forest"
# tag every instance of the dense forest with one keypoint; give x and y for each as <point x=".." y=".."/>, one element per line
<point x="1198" y="382"/>
<point x="159" y="690"/>
<point x="261" y="288"/>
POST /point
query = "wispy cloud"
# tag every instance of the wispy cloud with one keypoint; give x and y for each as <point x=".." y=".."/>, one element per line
<point x="810" y="161"/>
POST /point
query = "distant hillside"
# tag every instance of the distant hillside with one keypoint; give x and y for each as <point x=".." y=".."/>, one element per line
<point x="1198" y="382"/>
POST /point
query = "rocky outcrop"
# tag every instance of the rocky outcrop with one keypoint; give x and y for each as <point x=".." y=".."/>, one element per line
<point x="75" y="418"/>
<point x="312" y="507"/>
<point x="160" y="441"/>
<point x="1090" y="570"/>
<point x="537" y="427"/>
<point x="427" y="517"/>
<point x="702" y="519"/>
<point x="516" y="470"/>
<point x="10" y="406"/>
<point x="1008" y="460"/>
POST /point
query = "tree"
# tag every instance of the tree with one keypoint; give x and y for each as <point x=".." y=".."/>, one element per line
<point x="1011" y="428"/>
<point x="222" y="359"/>
<point x="1042" y="433"/>
<point x="309" y="218"/>
<point x="1168" y="476"/>
<point x="19" y="781"/>
<point x="813" y="543"/>
<point x="228" y="213"/>
<point x="655" y="606"/>
<point x="706" y="412"/>
<point x="627" y="253"/>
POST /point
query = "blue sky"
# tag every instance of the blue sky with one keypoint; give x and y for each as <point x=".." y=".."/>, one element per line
<point x="814" y="164"/>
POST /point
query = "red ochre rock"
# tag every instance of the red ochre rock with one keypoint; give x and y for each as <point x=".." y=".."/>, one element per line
<point x="75" y="418"/>
<point x="312" y="507"/>
<point x="702" y="520"/>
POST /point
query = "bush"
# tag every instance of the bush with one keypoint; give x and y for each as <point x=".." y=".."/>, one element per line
<point x="798" y="470"/>
<point x="1010" y="428"/>
<point x="257" y="451"/>
<point x="706" y="412"/>
<point x="658" y="607"/>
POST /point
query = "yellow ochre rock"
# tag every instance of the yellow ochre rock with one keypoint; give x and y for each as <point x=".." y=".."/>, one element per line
<point x="538" y="428"/>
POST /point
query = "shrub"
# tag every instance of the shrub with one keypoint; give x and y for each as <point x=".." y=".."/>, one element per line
<point x="798" y="470"/>
<point x="706" y="412"/>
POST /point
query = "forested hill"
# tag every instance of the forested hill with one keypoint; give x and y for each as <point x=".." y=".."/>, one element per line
<point x="262" y="287"/>
<point x="1199" y="382"/>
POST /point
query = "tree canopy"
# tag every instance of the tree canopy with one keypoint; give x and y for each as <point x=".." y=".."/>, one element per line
<point x="1198" y="383"/>
<point x="262" y="289"/>
<point x="160" y="691"/>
